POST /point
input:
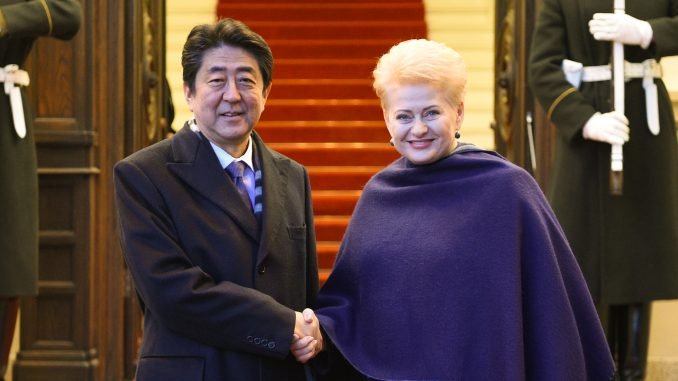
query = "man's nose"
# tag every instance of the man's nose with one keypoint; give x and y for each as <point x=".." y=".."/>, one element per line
<point x="231" y="93"/>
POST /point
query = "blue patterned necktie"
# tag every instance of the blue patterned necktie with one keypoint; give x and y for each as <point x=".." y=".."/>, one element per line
<point x="236" y="169"/>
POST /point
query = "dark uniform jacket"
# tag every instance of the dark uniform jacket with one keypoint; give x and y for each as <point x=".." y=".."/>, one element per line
<point x="218" y="292"/>
<point x="627" y="245"/>
<point x="26" y="20"/>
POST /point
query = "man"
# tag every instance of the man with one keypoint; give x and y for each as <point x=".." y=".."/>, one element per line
<point x="627" y="245"/>
<point x="21" y="22"/>
<point x="221" y="261"/>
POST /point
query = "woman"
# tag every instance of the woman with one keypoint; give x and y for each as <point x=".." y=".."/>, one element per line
<point x="453" y="266"/>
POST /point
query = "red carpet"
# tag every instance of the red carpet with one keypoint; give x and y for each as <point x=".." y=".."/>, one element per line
<point x="322" y="111"/>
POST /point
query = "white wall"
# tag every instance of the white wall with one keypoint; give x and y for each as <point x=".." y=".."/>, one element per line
<point x="664" y="330"/>
<point x="468" y="27"/>
<point x="182" y="15"/>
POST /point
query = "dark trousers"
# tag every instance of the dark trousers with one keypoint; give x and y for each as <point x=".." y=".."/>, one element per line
<point x="627" y="327"/>
<point x="8" y="311"/>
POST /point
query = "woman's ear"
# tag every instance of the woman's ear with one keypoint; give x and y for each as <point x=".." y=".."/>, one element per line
<point x="387" y="122"/>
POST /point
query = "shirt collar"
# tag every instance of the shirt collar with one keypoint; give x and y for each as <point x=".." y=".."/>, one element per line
<point x="224" y="157"/>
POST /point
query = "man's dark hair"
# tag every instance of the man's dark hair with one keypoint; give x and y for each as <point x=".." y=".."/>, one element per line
<point x="224" y="32"/>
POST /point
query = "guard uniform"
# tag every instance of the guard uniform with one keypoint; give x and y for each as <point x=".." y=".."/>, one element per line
<point x="627" y="246"/>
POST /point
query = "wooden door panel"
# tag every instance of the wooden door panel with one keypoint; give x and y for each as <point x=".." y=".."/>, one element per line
<point x="94" y="100"/>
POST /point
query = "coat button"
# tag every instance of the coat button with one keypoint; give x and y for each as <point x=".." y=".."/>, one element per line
<point x="262" y="269"/>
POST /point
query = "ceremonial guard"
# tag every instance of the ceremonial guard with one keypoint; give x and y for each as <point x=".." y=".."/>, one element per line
<point x="626" y="244"/>
<point x="21" y="22"/>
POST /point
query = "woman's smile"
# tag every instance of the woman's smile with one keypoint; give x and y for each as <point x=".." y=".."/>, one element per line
<point x="420" y="143"/>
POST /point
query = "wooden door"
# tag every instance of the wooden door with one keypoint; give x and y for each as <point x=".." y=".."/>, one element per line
<point x="145" y="124"/>
<point x="90" y="97"/>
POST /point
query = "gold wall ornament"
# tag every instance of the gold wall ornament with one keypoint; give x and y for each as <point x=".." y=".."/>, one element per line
<point x="506" y="76"/>
<point x="151" y="80"/>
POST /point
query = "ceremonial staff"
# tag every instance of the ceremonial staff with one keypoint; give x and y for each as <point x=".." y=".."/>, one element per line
<point x="616" y="154"/>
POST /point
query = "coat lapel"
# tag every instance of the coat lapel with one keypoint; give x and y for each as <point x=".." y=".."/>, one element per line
<point x="197" y="165"/>
<point x="274" y="172"/>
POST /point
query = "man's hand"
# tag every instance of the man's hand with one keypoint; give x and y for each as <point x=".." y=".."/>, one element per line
<point x="307" y="340"/>
<point x="611" y="127"/>
<point x="620" y="28"/>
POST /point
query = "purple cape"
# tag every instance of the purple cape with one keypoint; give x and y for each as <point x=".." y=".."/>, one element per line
<point x="459" y="270"/>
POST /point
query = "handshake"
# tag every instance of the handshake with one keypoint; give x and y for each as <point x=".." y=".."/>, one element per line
<point x="307" y="340"/>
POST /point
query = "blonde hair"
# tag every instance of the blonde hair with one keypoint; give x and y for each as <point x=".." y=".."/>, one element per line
<point x="422" y="61"/>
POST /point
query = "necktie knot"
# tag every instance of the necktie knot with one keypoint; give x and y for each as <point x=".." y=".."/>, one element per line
<point x="236" y="169"/>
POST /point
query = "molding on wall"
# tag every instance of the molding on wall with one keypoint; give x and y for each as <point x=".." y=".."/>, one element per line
<point x="182" y="15"/>
<point x="662" y="369"/>
<point x="468" y="28"/>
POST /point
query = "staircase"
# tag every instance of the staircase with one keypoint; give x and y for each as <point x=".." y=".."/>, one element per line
<point x="322" y="111"/>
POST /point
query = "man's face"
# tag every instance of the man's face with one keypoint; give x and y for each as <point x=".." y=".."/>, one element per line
<point x="229" y="97"/>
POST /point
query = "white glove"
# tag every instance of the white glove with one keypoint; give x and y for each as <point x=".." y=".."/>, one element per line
<point x="621" y="28"/>
<point x="611" y="127"/>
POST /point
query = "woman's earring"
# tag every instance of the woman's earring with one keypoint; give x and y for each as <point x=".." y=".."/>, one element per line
<point x="457" y="135"/>
<point x="391" y="142"/>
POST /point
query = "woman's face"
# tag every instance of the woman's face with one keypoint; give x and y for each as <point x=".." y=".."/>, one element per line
<point x="421" y="121"/>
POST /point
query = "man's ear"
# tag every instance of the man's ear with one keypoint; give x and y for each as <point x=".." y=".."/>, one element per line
<point x="188" y="95"/>
<point x="267" y="91"/>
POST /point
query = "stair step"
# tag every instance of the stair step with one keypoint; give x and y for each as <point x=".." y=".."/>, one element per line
<point x="319" y="89"/>
<point x="330" y="228"/>
<point x="367" y="11"/>
<point x="335" y="202"/>
<point x="327" y="252"/>
<point x="322" y="89"/>
<point x="323" y="274"/>
<point x="323" y="131"/>
<point x="344" y="49"/>
<point x="323" y="109"/>
<point x="321" y="1"/>
<point x="340" y="177"/>
<point x="359" y="68"/>
<point x="324" y="154"/>
<point x="311" y="30"/>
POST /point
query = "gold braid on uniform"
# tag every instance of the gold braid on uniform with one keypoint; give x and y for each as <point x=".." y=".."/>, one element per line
<point x="49" y="16"/>
<point x="3" y="24"/>
<point x="558" y="100"/>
